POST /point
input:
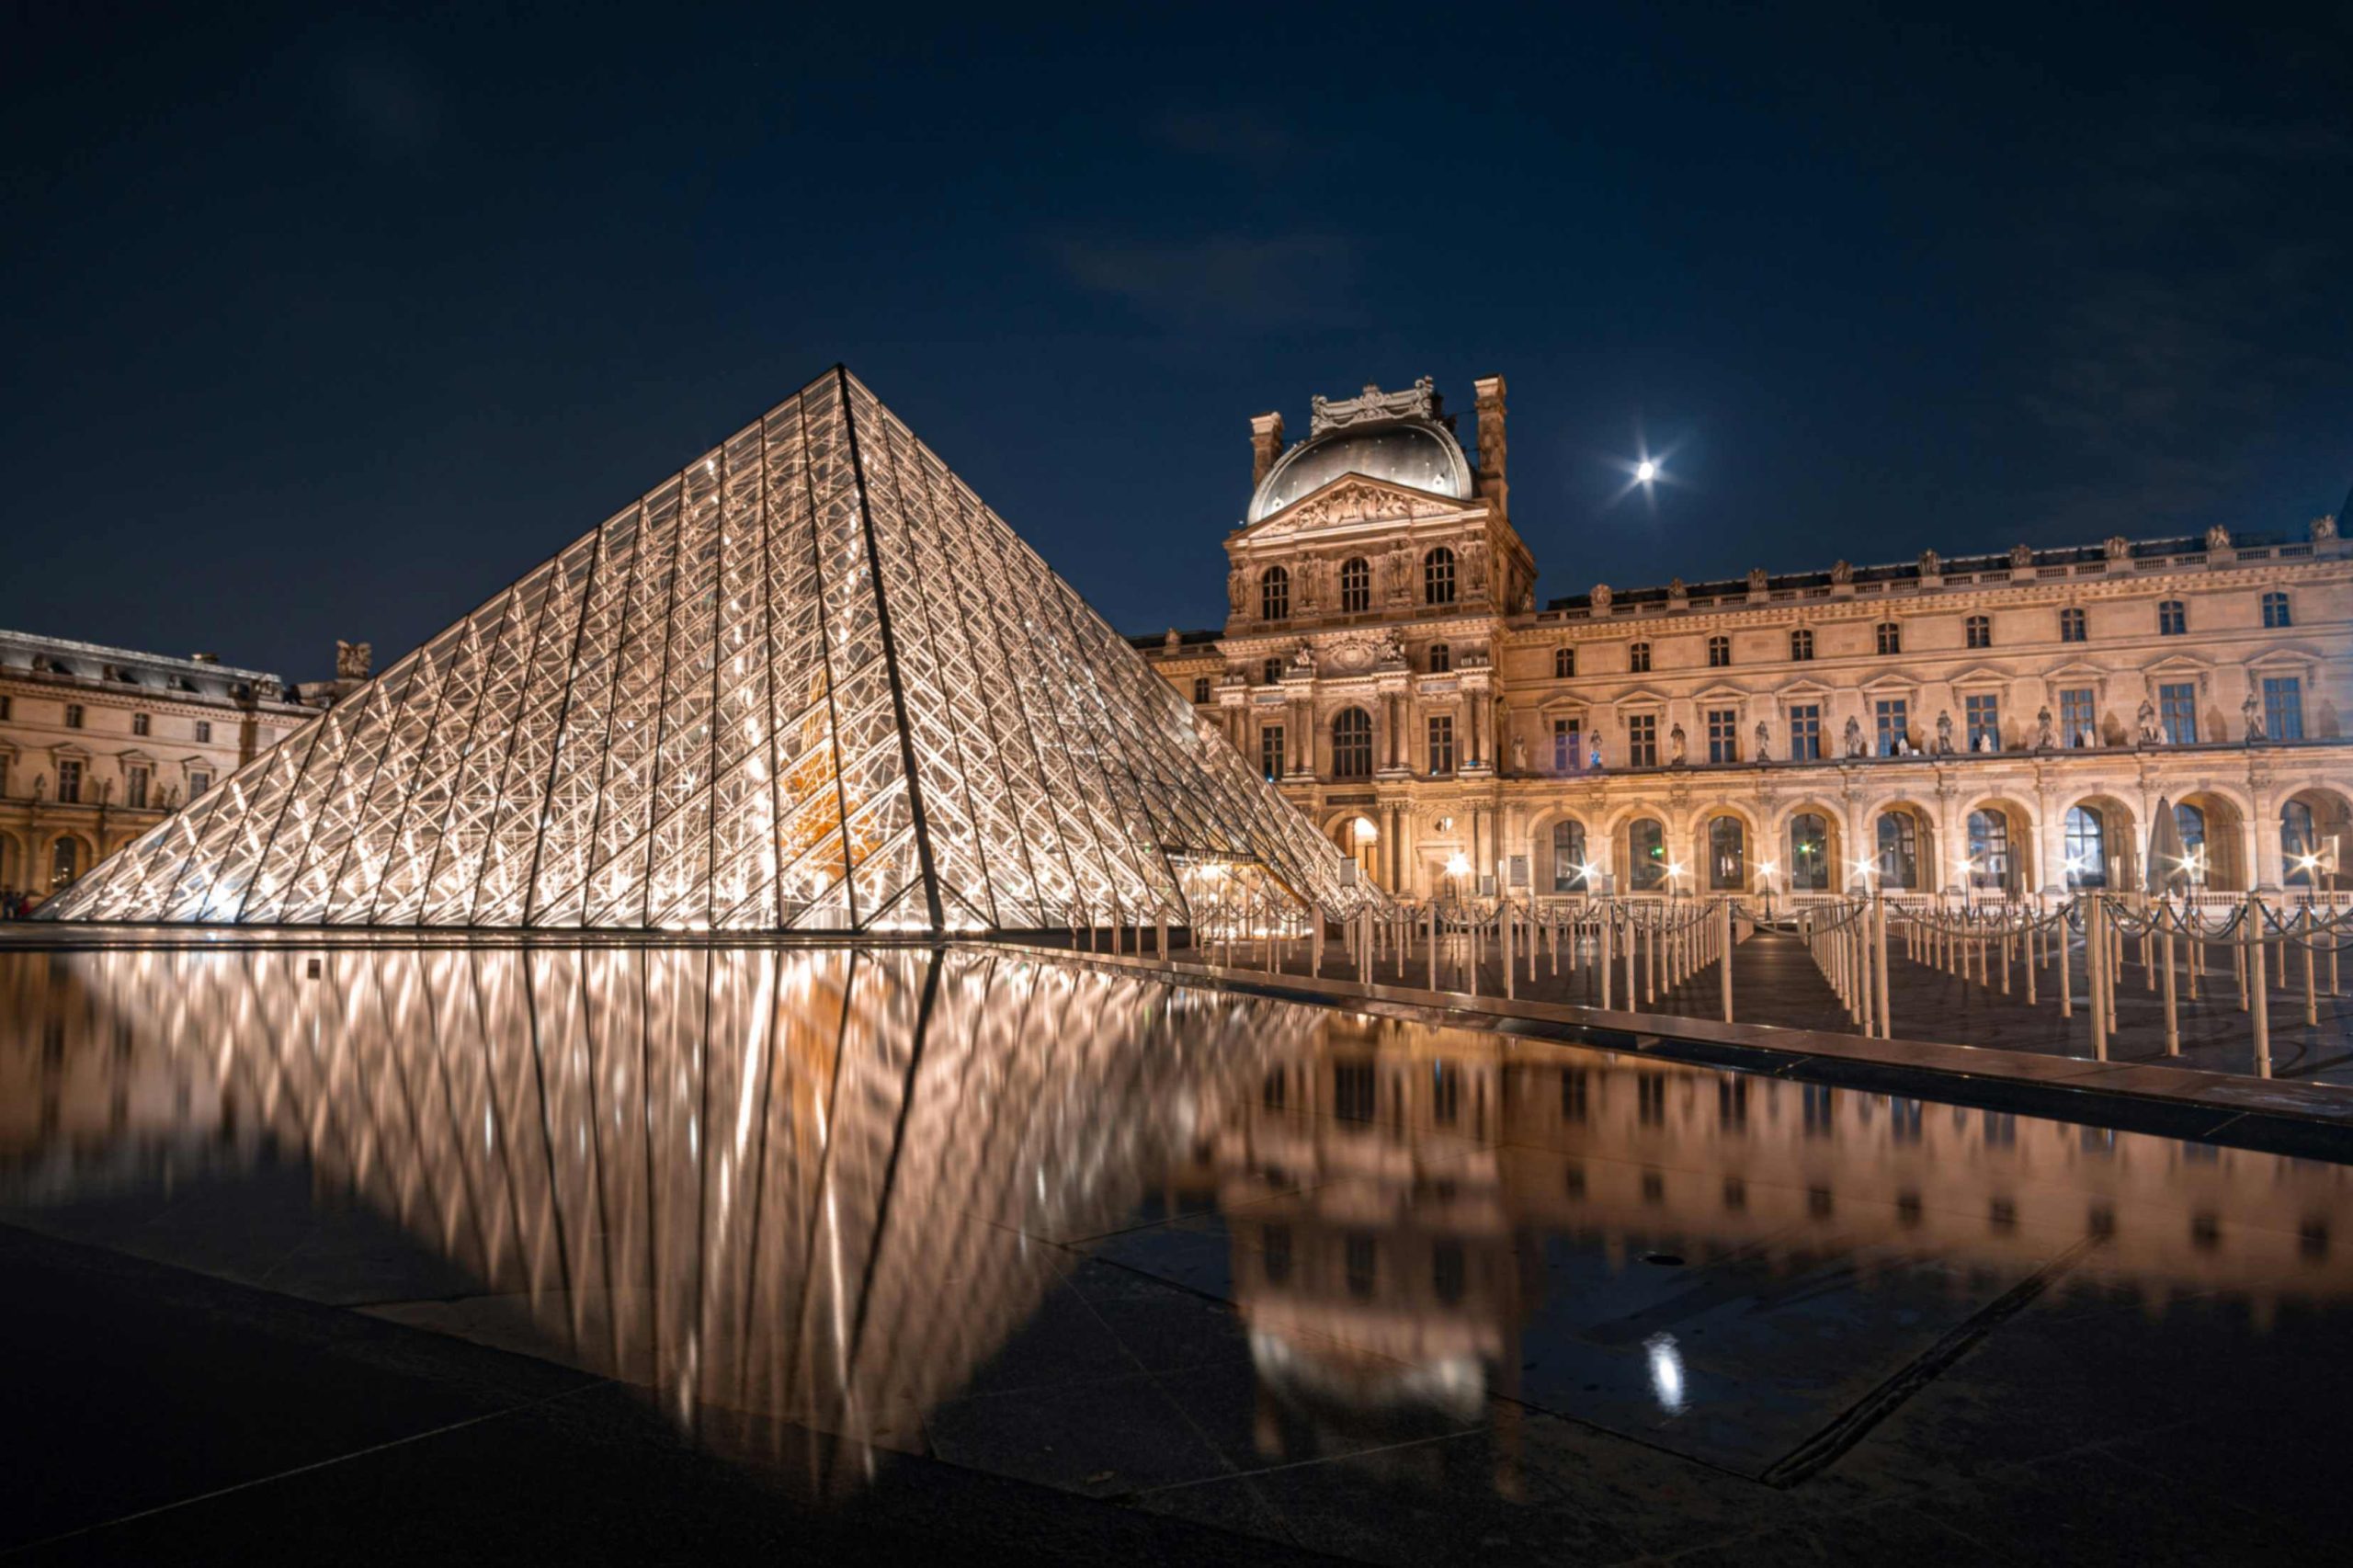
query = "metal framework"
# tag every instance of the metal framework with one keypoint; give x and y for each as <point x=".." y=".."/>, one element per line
<point x="811" y="682"/>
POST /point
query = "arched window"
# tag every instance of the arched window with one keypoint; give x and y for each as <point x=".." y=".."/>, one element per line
<point x="1274" y="594"/>
<point x="1808" y="853"/>
<point x="1646" y="853"/>
<point x="1352" y="743"/>
<point x="1801" y="644"/>
<point x="2086" y="846"/>
<point x="65" y="861"/>
<point x="1356" y="586"/>
<point x="1441" y="658"/>
<point x="1979" y="630"/>
<point x="2191" y="822"/>
<point x="2173" y="619"/>
<point x="1638" y="658"/>
<point x="1564" y="662"/>
<point x="1201" y="689"/>
<point x="1891" y="637"/>
<point x="2275" y="609"/>
<point x="1899" y="850"/>
<point x="1438" y="576"/>
<point x="1727" y="855"/>
<point x="2071" y="624"/>
<point x="1718" y="653"/>
<point x="1568" y="857"/>
<point x="1989" y="849"/>
<point x="2299" y="846"/>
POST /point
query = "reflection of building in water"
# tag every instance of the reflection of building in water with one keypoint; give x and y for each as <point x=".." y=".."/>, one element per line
<point x="1391" y="1192"/>
<point x="796" y="1183"/>
<point x="818" y="1184"/>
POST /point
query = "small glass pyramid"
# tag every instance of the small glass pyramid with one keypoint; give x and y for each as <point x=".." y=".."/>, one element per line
<point x="810" y="684"/>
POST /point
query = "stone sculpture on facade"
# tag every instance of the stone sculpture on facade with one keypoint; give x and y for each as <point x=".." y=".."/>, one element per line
<point x="353" y="660"/>
<point x="2118" y="546"/>
<point x="1763" y="736"/>
<point x="1518" y="752"/>
<point x="1944" y="731"/>
<point x="2323" y="529"/>
<point x="1842" y="573"/>
<point x="2044" y="738"/>
<point x="1931" y="563"/>
<point x="2218" y="537"/>
<point x="2021" y="557"/>
<point x="2252" y="711"/>
<point x="1237" y="592"/>
<point x="2145" y="718"/>
<point x="1675" y="746"/>
<point x="1601" y="599"/>
<point x="1854" y="736"/>
<point x="1755" y="581"/>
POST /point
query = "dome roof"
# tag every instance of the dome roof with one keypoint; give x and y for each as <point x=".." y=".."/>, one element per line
<point x="1402" y="451"/>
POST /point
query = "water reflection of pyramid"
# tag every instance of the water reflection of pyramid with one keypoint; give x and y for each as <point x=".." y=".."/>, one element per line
<point x="810" y="683"/>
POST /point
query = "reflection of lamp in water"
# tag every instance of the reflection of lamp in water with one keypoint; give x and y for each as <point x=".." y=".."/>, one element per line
<point x="1667" y="1373"/>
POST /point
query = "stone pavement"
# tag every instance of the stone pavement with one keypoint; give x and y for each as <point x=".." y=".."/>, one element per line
<point x="1776" y="982"/>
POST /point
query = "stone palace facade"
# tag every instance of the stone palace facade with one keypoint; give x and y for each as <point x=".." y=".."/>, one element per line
<point x="97" y="744"/>
<point x="1991" y="726"/>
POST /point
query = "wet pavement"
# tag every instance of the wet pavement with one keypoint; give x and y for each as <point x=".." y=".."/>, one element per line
<point x="661" y="1252"/>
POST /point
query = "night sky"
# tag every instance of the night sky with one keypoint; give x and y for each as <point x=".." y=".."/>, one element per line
<point x="321" y="328"/>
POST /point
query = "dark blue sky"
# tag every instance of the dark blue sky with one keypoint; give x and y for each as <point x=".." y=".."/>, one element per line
<point x="329" y="327"/>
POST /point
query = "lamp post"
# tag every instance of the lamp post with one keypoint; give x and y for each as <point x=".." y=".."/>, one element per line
<point x="1767" y="870"/>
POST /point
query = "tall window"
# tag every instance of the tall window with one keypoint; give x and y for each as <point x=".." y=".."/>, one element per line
<point x="1989" y="849"/>
<point x="1801" y="644"/>
<point x="1270" y="670"/>
<point x="1899" y="850"/>
<point x="1274" y="594"/>
<point x="1723" y="735"/>
<point x="1892" y="717"/>
<point x="1568" y="740"/>
<point x="7" y="709"/>
<point x="1978" y="632"/>
<point x="1352" y="743"/>
<point x="199" y="782"/>
<point x="1805" y="732"/>
<point x="1646" y="853"/>
<point x="2275" y="609"/>
<point x="2087" y="844"/>
<point x="135" y="785"/>
<point x="1638" y="658"/>
<point x="2071" y="624"/>
<point x="1808" y="853"/>
<point x="1727" y="855"/>
<point x="64" y="862"/>
<point x="2078" y="717"/>
<point x="2173" y="619"/>
<point x="73" y="715"/>
<point x="1718" y="653"/>
<point x="1441" y="743"/>
<point x="1201" y="689"/>
<point x="140" y="724"/>
<point x="1441" y="658"/>
<point x="1564" y="662"/>
<point x="2178" y="711"/>
<point x="1438" y="576"/>
<point x="1642" y="740"/>
<point x="3" y="776"/>
<point x="204" y="729"/>
<point x="1270" y="751"/>
<point x="1891" y="637"/>
<point x="2283" y="707"/>
<point x="2299" y="846"/>
<point x="1982" y="711"/>
<point x="69" y="780"/>
<point x="1568" y="856"/>
<point x="1356" y="586"/>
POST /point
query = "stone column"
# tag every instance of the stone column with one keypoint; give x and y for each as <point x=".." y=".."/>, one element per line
<point x="1266" y="445"/>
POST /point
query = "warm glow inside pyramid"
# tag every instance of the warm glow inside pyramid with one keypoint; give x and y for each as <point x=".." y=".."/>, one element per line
<point x="809" y="684"/>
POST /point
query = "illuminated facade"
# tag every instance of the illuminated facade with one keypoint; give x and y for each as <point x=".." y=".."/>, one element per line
<point x="98" y="745"/>
<point x="2009" y="722"/>
<point x="810" y="683"/>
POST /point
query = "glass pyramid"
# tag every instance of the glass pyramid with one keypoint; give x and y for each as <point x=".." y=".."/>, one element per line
<point x="810" y="683"/>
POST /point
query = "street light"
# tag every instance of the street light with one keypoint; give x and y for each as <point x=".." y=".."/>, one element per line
<point x="1457" y="866"/>
<point x="1645" y="472"/>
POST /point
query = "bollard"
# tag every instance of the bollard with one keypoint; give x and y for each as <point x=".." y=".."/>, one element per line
<point x="2096" y="961"/>
<point x="2260" y="994"/>
<point x="1723" y="937"/>
<point x="2173" y="1020"/>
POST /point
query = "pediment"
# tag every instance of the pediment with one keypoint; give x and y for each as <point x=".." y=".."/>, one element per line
<point x="2178" y="664"/>
<point x="1891" y="681"/>
<point x="1354" y="498"/>
<point x="1980" y="675"/>
<point x="1641" y="696"/>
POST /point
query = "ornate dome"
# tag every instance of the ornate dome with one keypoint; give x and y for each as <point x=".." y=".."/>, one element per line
<point x="1402" y="451"/>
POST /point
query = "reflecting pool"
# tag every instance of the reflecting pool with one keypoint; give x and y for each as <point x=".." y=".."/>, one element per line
<point x="1107" y="1232"/>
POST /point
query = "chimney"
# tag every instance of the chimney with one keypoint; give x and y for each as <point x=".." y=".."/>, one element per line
<point x="1492" y="485"/>
<point x="1266" y="445"/>
<point x="204" y="658"/>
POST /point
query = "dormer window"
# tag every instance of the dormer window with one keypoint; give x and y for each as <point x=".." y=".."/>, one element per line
<point x="1564" y="662"/>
